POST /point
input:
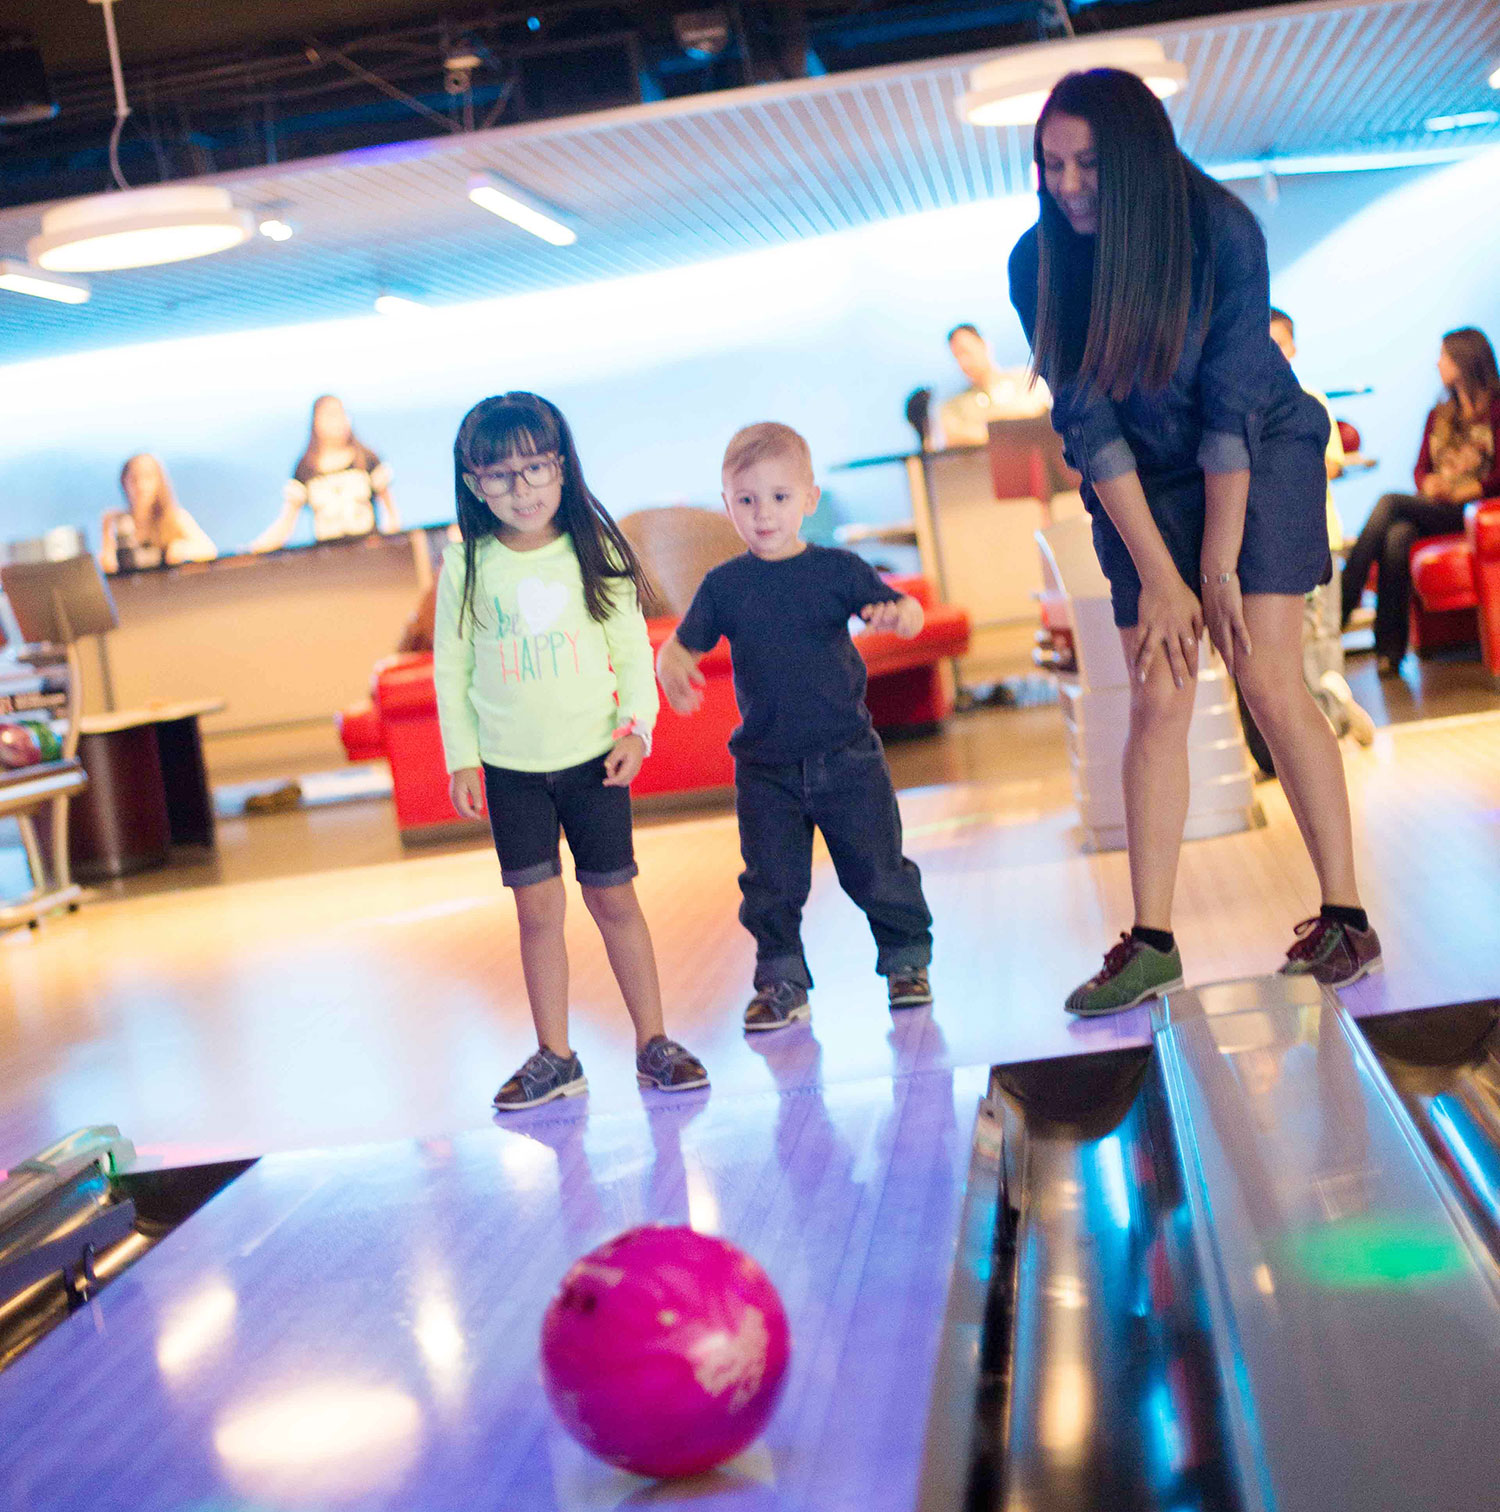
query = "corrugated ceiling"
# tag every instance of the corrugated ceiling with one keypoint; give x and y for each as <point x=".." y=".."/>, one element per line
<point x="668" y="184"/>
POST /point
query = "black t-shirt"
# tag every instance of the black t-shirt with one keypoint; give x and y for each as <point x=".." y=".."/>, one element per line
<point x="799" y="679"/>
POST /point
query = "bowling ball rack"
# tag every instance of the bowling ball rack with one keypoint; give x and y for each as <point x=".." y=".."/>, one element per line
<point x="76" y="1215"/>
<point x="1251" y="1264"/>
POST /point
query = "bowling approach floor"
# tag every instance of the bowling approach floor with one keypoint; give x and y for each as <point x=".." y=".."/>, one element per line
<point x="356" y="1326"/>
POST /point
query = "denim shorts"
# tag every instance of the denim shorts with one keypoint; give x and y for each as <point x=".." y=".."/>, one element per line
<point x="1285" y="545"/>
<point x="529" y="810"/>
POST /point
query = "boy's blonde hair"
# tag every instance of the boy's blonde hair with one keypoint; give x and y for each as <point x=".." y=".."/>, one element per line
<point x="769" y="438"/>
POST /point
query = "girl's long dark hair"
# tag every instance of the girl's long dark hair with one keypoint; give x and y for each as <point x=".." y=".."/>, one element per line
<point x="522" y="424"/>
<point x="1469" y="350"/>
<point x="1143" y="255"/>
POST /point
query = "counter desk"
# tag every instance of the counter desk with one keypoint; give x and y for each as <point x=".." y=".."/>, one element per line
<point x="284" y="639"/>
<point x="975" y="511"/>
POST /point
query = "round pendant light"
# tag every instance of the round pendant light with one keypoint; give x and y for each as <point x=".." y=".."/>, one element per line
<point x="138" y="228"/>
<point x="1010" y="91"/>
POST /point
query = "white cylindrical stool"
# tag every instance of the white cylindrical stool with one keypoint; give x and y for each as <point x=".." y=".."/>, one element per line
<point x="1095" y="700"/>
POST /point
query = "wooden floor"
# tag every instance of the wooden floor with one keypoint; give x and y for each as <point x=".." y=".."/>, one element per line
<point x="357" y="1326"/>
<point x="376" y="1001"/>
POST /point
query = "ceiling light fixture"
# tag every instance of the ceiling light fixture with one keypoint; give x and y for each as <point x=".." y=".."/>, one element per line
<point x="138" y="228"/>
<point x="491" y="192"/>
<point x="1466" y="118"/>
<point x="1011" y="90"/>
<point x="135" y="228"/>
<point x="1336" y="162"/>
<point x="276" y="230"/>
<point x="22" y="278"/>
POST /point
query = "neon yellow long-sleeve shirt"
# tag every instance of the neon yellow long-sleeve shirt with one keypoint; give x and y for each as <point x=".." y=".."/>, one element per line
<point x="536" y="685"/>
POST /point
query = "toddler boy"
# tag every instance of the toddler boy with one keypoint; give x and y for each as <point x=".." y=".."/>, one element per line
<point x="806" y="754"/>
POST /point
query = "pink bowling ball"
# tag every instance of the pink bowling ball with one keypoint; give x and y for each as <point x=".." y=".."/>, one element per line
<point x="664" y="1350"/>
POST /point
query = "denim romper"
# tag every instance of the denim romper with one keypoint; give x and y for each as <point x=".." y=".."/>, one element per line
<point x="1231" y="404"/>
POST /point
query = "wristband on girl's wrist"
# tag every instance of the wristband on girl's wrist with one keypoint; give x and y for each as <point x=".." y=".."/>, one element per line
<point x="634" y="727"/>
<point x="1218" y="579"/>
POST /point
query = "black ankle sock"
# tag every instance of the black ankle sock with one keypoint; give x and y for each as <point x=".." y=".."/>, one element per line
<point x="1157" y="939"/>
<point x="1355" y="918"/>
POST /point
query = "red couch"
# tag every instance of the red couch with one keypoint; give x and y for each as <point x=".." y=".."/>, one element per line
<point x="1456" y="581"/>
<point x="909" y="688"/>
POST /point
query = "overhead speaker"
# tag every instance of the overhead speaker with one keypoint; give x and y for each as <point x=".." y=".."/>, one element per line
<point x="577" y="77"/>
<point x="25" y="96"/>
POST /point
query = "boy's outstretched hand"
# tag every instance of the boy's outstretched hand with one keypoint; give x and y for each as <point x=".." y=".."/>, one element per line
<point x="624" y="761"/>
<point x="901" y="616"/>
<point x="466" y="792"/>
<point x="677" y="671"/>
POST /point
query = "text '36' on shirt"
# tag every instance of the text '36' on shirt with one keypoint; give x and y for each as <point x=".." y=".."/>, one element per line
<point x="798" y="677"/>
<point x="536" y="685"/>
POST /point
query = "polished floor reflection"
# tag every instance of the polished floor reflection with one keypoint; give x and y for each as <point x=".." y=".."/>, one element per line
<point x="386" y="1001"/>
<point x="358" y="1328"/>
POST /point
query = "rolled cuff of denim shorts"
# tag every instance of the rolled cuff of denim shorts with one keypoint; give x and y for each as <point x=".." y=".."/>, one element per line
<point x="1112" y="460"/>
<point x="1223" y="452"/>
<point x="527" y="876"/>
<point x="616" y="878"/>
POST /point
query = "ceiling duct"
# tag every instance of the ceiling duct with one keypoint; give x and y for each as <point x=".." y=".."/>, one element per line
<point x="25" y="95"/>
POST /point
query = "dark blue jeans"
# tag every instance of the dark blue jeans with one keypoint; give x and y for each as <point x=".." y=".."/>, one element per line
<point x="1395" y="522"/>
<point x="847" y="794"/>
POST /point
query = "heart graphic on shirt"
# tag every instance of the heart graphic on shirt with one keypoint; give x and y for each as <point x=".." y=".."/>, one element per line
<point x="540" y="603"/>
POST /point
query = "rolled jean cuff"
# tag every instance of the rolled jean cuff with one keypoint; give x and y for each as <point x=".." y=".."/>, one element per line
<point x="784" y="968"/>
<point x="528" y="876"/>
<point x="616" y="878"/>
<point x="903" y="958"/>
<point x="1112" y="460"/>
<point x="1223" y="452"/>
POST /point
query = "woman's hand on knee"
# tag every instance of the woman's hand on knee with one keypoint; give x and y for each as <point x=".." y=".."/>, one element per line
<point x="1171" y="623"/>
<point x="466" y="792"/>
<point x="1224" y="612"/>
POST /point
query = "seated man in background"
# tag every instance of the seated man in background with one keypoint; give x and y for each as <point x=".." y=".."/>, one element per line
<point x="1322" y="638"/>
<point x="994" y="393"/>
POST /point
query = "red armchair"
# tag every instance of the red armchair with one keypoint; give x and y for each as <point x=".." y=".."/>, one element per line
<point x="1456" y="586"/>
<point x="909" y="688"/>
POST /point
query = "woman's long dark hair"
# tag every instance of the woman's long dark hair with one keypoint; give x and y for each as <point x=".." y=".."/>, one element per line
<point x="163" y="527"/>
<point x="307" y="463"/>
<point x="522" y="424"/>
<point x="1469" y="350"/>
<point x="1143" y="255"/>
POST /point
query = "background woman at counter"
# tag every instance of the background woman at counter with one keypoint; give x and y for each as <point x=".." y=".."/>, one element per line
<point x="153" y="527"/>
<point x="339" y="478"/>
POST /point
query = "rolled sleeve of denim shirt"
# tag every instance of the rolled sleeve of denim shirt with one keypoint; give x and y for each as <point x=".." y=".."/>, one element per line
<point x="1095" y="442"/>
<point x="1223" y="452"/>
<point x="1233" y="372"/>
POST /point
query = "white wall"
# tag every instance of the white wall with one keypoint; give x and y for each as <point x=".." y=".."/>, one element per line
<point x="655" y="372"/>
<point x="1374" y="267"/>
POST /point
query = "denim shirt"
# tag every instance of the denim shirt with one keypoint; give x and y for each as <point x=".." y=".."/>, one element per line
<point x="1231" y="387"/>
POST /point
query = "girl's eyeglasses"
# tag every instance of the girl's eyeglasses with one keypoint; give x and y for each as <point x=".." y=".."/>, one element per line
<point x="500" y="482"/>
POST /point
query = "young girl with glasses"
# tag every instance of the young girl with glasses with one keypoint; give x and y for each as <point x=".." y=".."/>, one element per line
<point x="547" y="697"/>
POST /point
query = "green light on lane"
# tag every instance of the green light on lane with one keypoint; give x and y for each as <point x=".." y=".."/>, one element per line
<point x="1372" y="1252"/>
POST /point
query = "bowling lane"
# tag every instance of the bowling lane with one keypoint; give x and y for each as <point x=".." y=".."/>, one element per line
<point x="358" y="1328"/>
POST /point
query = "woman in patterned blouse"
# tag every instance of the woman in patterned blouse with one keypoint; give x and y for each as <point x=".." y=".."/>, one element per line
<point x="1459" y="463"/>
